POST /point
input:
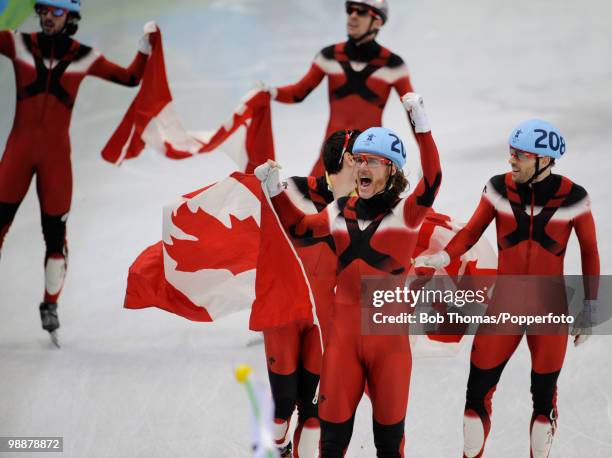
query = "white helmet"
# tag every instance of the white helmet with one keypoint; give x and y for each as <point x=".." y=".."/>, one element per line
<point x="380" y="7"/>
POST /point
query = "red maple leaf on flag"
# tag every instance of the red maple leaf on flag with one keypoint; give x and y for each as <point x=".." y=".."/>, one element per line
<point x="215" y="246"/>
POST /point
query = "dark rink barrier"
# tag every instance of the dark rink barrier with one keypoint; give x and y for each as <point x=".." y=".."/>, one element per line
<point x="493" y="305"/>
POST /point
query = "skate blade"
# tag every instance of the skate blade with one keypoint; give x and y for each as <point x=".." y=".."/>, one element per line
<point x="55" y="338"/>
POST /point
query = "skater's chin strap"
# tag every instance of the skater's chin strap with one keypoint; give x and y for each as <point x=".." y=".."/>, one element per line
<point x="370" y="31"/>
<point x="538" y="170"/>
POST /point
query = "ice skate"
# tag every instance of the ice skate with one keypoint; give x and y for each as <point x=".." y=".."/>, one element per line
<point x="50" y="320"/>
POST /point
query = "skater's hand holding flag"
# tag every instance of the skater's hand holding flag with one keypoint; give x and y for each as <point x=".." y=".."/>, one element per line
<point x="152" y="122"/>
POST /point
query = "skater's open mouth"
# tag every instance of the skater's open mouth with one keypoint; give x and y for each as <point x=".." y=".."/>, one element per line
<point x="365" y="181"/>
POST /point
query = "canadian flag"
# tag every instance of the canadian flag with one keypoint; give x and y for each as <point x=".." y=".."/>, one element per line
<point x="435" y="233"/>
<point x="223" y="250"/>
<point x="151" y="121"/>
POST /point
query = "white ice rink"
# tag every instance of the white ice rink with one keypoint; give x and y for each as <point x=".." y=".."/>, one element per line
<point x="149" y="384"/>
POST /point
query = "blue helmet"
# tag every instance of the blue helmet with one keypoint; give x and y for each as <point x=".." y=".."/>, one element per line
<point x="538" y="137"/>
<point x="74" y="6"/>
<point x="382" y="142"/>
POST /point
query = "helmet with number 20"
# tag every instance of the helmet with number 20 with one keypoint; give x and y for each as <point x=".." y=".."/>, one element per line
<point x="538" y="137"/>
<point x="381" y="142"/>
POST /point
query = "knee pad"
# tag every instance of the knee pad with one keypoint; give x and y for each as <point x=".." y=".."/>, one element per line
<point x="544" y="393"/>
<point x="7" y="215"/>
<point x="335" y="438"/>
<point x="54" y="231"/>
<point x="307" y="388"/>
<point x="389" y="439"/>
<point x="481" y="385"/>
<point x="284" y="393"/>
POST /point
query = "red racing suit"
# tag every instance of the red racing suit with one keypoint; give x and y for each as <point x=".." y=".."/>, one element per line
<point x="533" y="223"/>
<point x="48" y="73"/>
<point x="293" y="352"/>
<point x="360" y="79"/>
<point x="374" y="236"/>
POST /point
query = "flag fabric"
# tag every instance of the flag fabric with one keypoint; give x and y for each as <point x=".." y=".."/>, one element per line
<point x="151" y="121"/>
<point x="14" y="12"/>
<point x="435" y="233"/>
<point x="212" y="260"/>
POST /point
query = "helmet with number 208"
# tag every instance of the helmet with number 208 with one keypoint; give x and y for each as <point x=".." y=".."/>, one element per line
<point x="538" y="137"/>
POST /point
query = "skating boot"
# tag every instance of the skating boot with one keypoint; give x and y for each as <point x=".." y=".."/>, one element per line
<point x="285" y="452"/>
<point x="50" y="321"/>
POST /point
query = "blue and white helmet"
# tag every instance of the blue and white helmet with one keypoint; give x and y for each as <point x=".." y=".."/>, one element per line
<point x="538" y="137"/>
<point x="382" y="142"/>
<point x="74" y="6"/>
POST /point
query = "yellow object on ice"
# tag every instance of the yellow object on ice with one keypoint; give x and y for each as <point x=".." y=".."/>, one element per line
<point x="242" y="373"/>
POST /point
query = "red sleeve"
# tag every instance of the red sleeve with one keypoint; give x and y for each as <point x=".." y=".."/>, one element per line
<point x="295" y="93"/>
<point x="297" y="223"/>
<point x="7" y="44"/>
<point x="131" y="76"/>
<point x="585" y="231"/>
<point x="467" y="237"/>
<point x="419" y="203"/>
<point x="402" y="86"/>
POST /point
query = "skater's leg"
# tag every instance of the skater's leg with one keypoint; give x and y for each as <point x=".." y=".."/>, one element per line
<point x="342" y="384"/>
<point x="16" y="173"/>
<point x="56" y="255"/>
<point x="7" y="214"/>
<point x="547" y="355"/>
<point x="308" y="431"/>
<point x="490" y="353"/>
<point x="389" y="364"/>
<point x="282" y="346"/>
<point x="54" y="188"/>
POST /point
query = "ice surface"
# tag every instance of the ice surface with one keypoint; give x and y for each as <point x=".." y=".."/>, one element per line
<point x="148" y="384"/>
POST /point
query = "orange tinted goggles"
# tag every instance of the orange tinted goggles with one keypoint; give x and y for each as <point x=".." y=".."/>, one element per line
<point x="522" y="155"/>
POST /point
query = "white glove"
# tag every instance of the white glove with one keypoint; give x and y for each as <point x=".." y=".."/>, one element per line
<point x="437" y="260"/>
<point x="413" y="103"/>
<point x="268" y="173"/>
<point x="263" y="87"/>
<point x="144" y="45"/>
<point x="585" y="320"/>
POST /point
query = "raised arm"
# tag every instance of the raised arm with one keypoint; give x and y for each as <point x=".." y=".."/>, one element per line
<point x="295" y="93"/>
<point x="130" y="76"/>
<point x="402" y="84"/>
<point x="418" y="203"/>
